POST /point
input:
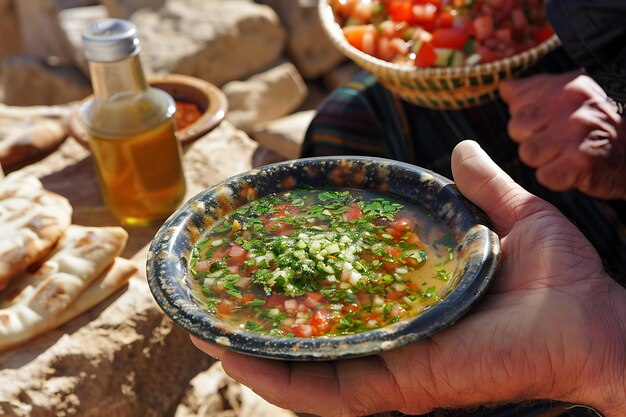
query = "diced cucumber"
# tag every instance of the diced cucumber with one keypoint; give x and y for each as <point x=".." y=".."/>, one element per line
<point x="448" y="57"/>
<point x="457" y="59"/>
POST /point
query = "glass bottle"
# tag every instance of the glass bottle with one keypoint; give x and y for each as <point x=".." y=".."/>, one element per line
<point x="131" y="128"/>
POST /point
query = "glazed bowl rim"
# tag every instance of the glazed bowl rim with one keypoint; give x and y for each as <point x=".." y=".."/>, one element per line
<point x="166" y="263"/>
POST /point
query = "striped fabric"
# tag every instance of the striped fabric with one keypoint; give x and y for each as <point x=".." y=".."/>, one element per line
<point x="362" y="118"/>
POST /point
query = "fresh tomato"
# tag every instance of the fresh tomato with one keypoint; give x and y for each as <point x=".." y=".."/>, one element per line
<point x="236" y="255"/>
<point x="321" y="322"/>
<point x="355" y="34"/>
<point x="301" y="330"/>
<point x="394" y="252"/>
<point x="224" y="307"/>
<point x="278" y="228"/>
<point x="425" y="15"/>
<point x="247" y="297"/>
<point x="317" y="296"/>
<point x="426" y="56"/>
<point x="410" y="30"/>
<point x="445" y="19"/>
<point x="401" y="11"/>
<point x="353" y="212"/>
<point x="543" y="34"/>
<point x="450" y="38"/>
<point x="483" y="27"/>
<point x="276" y="300"/>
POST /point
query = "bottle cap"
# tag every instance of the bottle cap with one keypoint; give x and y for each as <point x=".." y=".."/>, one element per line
<point x="109" y="40"/>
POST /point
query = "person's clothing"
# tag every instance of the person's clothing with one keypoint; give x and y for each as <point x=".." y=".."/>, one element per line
<point x="593" y="32"/>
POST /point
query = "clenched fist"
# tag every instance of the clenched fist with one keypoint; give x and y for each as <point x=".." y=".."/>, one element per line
<point x="570" y="131"/>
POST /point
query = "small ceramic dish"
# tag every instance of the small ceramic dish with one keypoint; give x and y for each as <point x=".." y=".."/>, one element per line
<point x="209" y="99"/>
<point x="477" y="253"/>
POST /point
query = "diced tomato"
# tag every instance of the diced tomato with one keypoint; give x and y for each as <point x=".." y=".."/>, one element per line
<point x="349" y="308"/>
<point x="390" y="267"/>
<point x="301" y="330"/>
<point x="353" y="212"/>
<point x="355" y="33"/>
<point x="317" y="296"/>
<point x="401" y="11"/>
<point x="281" y="208"/>
<point x="483" y="27"/>
<point x="236" y="255"/>
<point x="424" y="15"/>
<point x="394" y="252"/>
<point x="374" y="318"/>
<point x="543" y="34"/>
<point x="504" y="35"/>
<point x="310" y="302"/>
<point x="276" y="300"/>
<point x="519" y="19"/>
<point x="321" y="322"/>
<point x="426" y="56"/>
<point x="487" y="55"/>
<point x="203" y="266"/>
<point x="414" y="239"/>
<point x="402" y="224"/>
<point x="224" y="307"/>
<point x="247" y="297"/>
<point x="278" y="228"/>
<point x="398" y="310"/>
<point x="397" y="234"/>
<point x="395" y="295"/>
<point x="445" y="19"/>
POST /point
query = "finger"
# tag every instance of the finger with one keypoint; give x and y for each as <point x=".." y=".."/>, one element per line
<point x="520" y="92"/>
<point x="548" y="144"/>
<point x="486" y="185"/>
<point x="528" y="121"/>
<point x="212" y="350"/>
<point x="565" y="172"/>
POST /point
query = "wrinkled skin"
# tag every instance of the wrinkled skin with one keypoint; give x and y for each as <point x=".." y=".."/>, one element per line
<point x="550" y="326"/>
<point x="570" y="132"/>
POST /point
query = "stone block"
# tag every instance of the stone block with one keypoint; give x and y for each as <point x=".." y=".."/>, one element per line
<point x="308" y="45"/>
<point x="218" y="41"/>
<point x="29" y="80"/>
<point x="265" y="96"/>
<point x="284" y="136"/>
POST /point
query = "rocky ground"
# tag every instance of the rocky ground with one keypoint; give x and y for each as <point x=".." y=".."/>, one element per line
<point x="273" y="62"/>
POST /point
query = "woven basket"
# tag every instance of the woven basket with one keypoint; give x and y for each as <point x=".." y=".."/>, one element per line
<point x="437" y="88"/>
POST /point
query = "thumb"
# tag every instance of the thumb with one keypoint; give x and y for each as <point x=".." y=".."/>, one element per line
<point x="485" y="184"/>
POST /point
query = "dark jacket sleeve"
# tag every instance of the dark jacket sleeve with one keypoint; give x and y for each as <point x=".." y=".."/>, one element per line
<point x="593" y="33"/>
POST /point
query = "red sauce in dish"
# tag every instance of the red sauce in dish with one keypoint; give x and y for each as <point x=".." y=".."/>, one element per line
<point x="186" y="113"/>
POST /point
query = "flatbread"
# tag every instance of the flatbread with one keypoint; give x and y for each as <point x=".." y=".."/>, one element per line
<point x="32" y="220"/>
<point x="34" y="302"/>
<point x="28" y="138"/>
<point x="30" y="131"/>
<point x="102" y="288"/>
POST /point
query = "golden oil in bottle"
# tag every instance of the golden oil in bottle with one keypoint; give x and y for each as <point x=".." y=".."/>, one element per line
<point x="131" y="129"/>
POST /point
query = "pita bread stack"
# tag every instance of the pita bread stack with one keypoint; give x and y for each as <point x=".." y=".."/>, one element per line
<point x="51" y="271"/>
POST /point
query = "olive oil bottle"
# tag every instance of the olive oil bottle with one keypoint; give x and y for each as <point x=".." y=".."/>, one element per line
<point x="131" y="128"/>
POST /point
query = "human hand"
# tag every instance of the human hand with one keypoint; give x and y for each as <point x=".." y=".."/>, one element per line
<point x="550" y="326"/>
<point x="570" y="132"/>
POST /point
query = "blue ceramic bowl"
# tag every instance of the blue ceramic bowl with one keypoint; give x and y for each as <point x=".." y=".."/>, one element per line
<point x="477" y="253"/>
